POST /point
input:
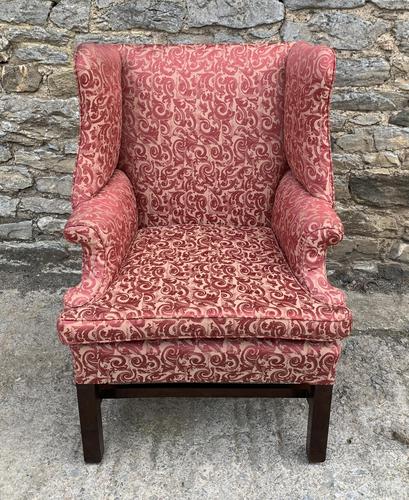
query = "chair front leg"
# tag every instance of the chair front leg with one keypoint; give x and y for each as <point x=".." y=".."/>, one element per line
<point x="318" y="422"/>
<point x="89" y="406"/>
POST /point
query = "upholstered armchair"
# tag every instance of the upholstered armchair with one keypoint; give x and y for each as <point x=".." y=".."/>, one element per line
<point x="203" y="201"/>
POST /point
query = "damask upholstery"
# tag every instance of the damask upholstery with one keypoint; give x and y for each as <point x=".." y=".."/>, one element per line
<point x="204" y="282"/>
<point x="202" y="132"/>
<point x="104" y="225"/>
<point x="229" y="360"/>
<point x="203" y="200"/>
<point x="305" y="227"/>
<point x="310" y="72"/>
<point x="98" y="70"/>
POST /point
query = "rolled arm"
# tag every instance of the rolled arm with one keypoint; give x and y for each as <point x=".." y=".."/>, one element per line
<point x="104" y="225"/>
<point x="305" y="227"/>
<point x="98" y="70"/>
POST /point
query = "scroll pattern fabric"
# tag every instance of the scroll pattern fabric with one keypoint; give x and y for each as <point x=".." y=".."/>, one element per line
<point x="105" y="226"/>
<point x="204" y="282"/>
<point x="310" y="71"/>
<point x="98" y="70"/>
<point x="203" y="260"/>
<point x="263" y="361"/>
<point x="202" y="138"/>
<point x="305" y="227"/>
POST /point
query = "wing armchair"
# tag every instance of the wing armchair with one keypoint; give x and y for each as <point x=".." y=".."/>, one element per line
<point x="203" y="201"/>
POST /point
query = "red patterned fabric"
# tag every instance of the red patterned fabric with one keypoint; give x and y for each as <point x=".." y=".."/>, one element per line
<point x="202" y="133"/>
<point x="192" y="271"/>
<point x="310" y="72"/>
<point x="98" y="69"/>
<point x="265" y="361"/>
<point x="305" y="227"/>
<point x="104" y="226"/>
<point x="204" y="282"/>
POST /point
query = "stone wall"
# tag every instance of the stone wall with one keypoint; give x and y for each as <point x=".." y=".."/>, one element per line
<point x="370" y="115"/>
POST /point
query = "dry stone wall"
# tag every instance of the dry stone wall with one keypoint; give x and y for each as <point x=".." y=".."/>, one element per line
<point x="370" y="113"/>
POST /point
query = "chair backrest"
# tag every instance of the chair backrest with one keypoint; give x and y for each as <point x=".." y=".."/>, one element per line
<point x="202" y="131"/>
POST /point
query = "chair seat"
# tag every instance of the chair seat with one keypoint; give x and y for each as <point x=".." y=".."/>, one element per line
<point x="203" y="281"/>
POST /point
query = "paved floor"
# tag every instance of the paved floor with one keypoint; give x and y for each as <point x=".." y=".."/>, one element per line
<point x="217" y="449"/>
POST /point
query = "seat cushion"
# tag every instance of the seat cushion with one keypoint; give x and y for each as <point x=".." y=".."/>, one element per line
<point x="192" y="281"/>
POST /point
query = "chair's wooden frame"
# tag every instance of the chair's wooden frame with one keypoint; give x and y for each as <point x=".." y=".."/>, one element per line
<point x="90" y="397"/>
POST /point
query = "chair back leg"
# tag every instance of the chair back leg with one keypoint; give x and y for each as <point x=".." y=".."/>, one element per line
<point x="89" y="406"/>
<point x="318" y="422"/>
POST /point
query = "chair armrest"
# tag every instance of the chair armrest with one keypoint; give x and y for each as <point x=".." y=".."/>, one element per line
<point x="305" y="226"/>
<point x="309" y="76"/>
<point x="105" y="226"/>
<point x="98" y="70"/>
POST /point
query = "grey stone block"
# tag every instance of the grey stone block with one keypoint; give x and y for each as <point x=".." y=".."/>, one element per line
<point x="4" y="42"/>
<point x="234" y="14"/>
<point x="45" y="54"/>
<point x="391" y="138"/>
<point x="322" y="4"/>
<point x="5" y="153"/>
<point x="38" y="119"/>
<point x="71" y="146"/>
<point x="72" y="15"/>
<point x="25" y="11"/>
<point x="369" y="100"/>
<point x="346" y="162"/>
<point x="37" y="34"/>
<point x="337" y="121"/>
<point x="367" y="223"/>
<point x="345" y="31"/>
<point x="382" y="159"/>
<point x="106" y="37"/>
<point x="341" y="188"/>
<point x="392" y="4"/>
<point x="361" y="140"/>
<point x="401" y="118"/>
<point x="43" y="159"/>
<point x="62" y="84"/>
<point x="265" y="33"/>
<point x="400" y="251"/>
<point x="361" y="72"/>
<point x="38" y="204"/>
<point x="13" y="178"/>
<point x="51" y="225"/>
<point x="8" y="206"/>
<point x="163" y="15"/>
<point x="22" y="230"/>
<point x="381" y="188"/>
<point x="55" y="185"/>
<point x="365" y="119"/>
<point x="21" y="78"/>
<point x="227" y="38"/>
<point x="402" y="35"/>
<point x="103" y="3"/>
<point x="292" y="31"/>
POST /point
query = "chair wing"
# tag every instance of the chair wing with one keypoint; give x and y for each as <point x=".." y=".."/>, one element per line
<point x="98" y="70"/>
<point x="310" y="71"/>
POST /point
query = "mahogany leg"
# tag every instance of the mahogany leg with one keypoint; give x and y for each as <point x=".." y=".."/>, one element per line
<point x="318" y="423"/>
<point x="89" y="406"/>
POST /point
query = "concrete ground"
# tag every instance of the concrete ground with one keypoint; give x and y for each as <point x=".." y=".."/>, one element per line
<point x="180" y="448"/>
